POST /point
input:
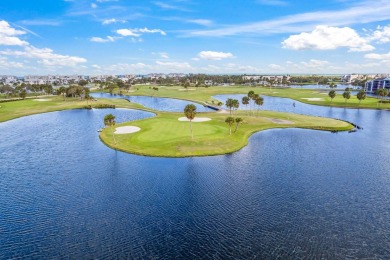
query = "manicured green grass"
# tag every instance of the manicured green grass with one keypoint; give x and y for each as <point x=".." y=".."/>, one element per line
<point x="15" y="109"/>
<point x="165" y="136"/>
<point x="202" y="95"/>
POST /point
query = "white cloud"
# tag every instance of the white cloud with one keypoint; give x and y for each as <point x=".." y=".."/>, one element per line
<point x="8" y="35"/>
<point x="203" y="22"/>
<point x="113" y="20"/>
<point x="214" y="55"/>
<point x="313" y="63"/>
<point x="375" y="56"/>
<point x="164" y="55"/>
<point x="361" y="12"/>
<point x="103" y="1"/>
<point x="380" y="35"/>
<point x="328" y="38"/>
<point x="46" y="56"/>
<point x="170" y="6"/>
<point x="96" y="66"/>
<point x="174" y="65"/>
<point x="93" y="5"/>
<point x="5" y="64"/>
<point x="102" y="40"/>
<point x="137" y="32"/>
<point x="275" y="67"/>
<point x="127" y="32"/>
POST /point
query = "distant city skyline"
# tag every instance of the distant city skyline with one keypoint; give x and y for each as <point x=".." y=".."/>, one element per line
<point x="194" y="36"/>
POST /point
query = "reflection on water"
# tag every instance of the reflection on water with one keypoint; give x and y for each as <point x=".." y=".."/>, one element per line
<point x="157" y="103"/>
<point x="290" y="193"/>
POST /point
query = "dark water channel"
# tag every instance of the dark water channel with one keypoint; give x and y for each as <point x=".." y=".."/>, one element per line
<point x="290" y="193"/>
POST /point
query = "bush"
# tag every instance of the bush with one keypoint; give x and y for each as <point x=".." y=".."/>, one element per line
<point x="10" y="100"/>
<point x="100" y="106"/>
<point x="384" y="101"/>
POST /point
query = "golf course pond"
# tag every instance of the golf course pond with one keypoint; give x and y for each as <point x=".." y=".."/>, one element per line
<point x="290" y="193"/>
<point x="157" y="103"/>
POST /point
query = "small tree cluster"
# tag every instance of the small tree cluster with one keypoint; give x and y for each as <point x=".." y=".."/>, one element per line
<point x="230" y="121"/>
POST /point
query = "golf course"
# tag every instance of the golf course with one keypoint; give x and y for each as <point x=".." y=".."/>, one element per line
<point x="166" y="135"/>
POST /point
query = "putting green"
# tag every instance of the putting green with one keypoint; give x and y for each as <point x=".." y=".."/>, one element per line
<point x="165" y="136"/>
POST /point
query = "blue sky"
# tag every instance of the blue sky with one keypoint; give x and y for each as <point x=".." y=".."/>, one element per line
<point x="194" y="36"/>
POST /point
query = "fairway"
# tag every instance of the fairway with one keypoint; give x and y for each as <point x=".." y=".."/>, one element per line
<point x="165" y="136"/>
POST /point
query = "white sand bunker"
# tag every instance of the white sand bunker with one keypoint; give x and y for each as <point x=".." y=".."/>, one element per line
<point x="183" y="89"/>
<point x="196" y="119"/>
<point x="280" y="121"/>
<point x="313" y="99"/>
<point x="126" y="130"/>
<point x="41" y="99"/>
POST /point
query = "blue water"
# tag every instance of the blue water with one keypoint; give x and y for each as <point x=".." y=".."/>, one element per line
<point x="289" y="194"/>
<point x="157" y="103"/>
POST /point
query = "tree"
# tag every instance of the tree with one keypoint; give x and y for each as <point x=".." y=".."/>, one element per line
<point x="220" y="104"/>
<point x="382" y="92"/>
<point x="109" y="120"/>
<point x="238" y="121"/>
<point x="332" y="95"/>
<point x="361" y="96"/>
<point x="229" y="120"/>
<point x="23" y="94"/>
<point x="229" y="104"/>
<point x="332" y="85"/>
<point x="186" y="85"/>
<point x="82" y="82"/>
<point x="190" y="113"/>
<point x="236" y="104"/>
<point x="259" y="102"/>
<point x="250" y="96"/>
<point x="245" y="101"/>
<point x="346" y="95"/>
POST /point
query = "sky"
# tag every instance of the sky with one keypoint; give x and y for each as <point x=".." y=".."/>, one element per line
<point x="89" y="37"/>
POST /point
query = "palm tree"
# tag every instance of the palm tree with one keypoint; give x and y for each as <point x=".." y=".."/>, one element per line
<point x="238" y="121"/>
<point x="236" y="104"/>
<point x="245" y="101"/>
<point x="229" y="120"/>
<point x="109" y="120"/>
<point x="346" y="95"/>
<point x="229" y="104"/>
<point x="250" y="96"/>
<point x="332" y="95"/>
<point x="190" y="112"/>
<point x="361" y="96"/>
<point x="259" y="102"/>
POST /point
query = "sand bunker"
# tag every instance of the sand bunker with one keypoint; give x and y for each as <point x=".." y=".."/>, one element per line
<point x="280" y="121"/>
<point x="41" y="99"/>
<point x="183" y="89"/>
<point x="313" y="99"/>
<point x="126" y="130"/>
<point x="196" y="119"/>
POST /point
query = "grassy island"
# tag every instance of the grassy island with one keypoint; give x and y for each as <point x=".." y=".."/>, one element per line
<point x="166" y="136"/>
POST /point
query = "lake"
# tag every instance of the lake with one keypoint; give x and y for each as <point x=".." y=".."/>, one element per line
<point x="157" y="103"/>
<point x="291" y="193"/>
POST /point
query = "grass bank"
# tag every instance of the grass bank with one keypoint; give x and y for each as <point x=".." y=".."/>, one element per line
<point x="201" y="95"/>
<point x="165" y="136"/>
<point x="15" y="109"/>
